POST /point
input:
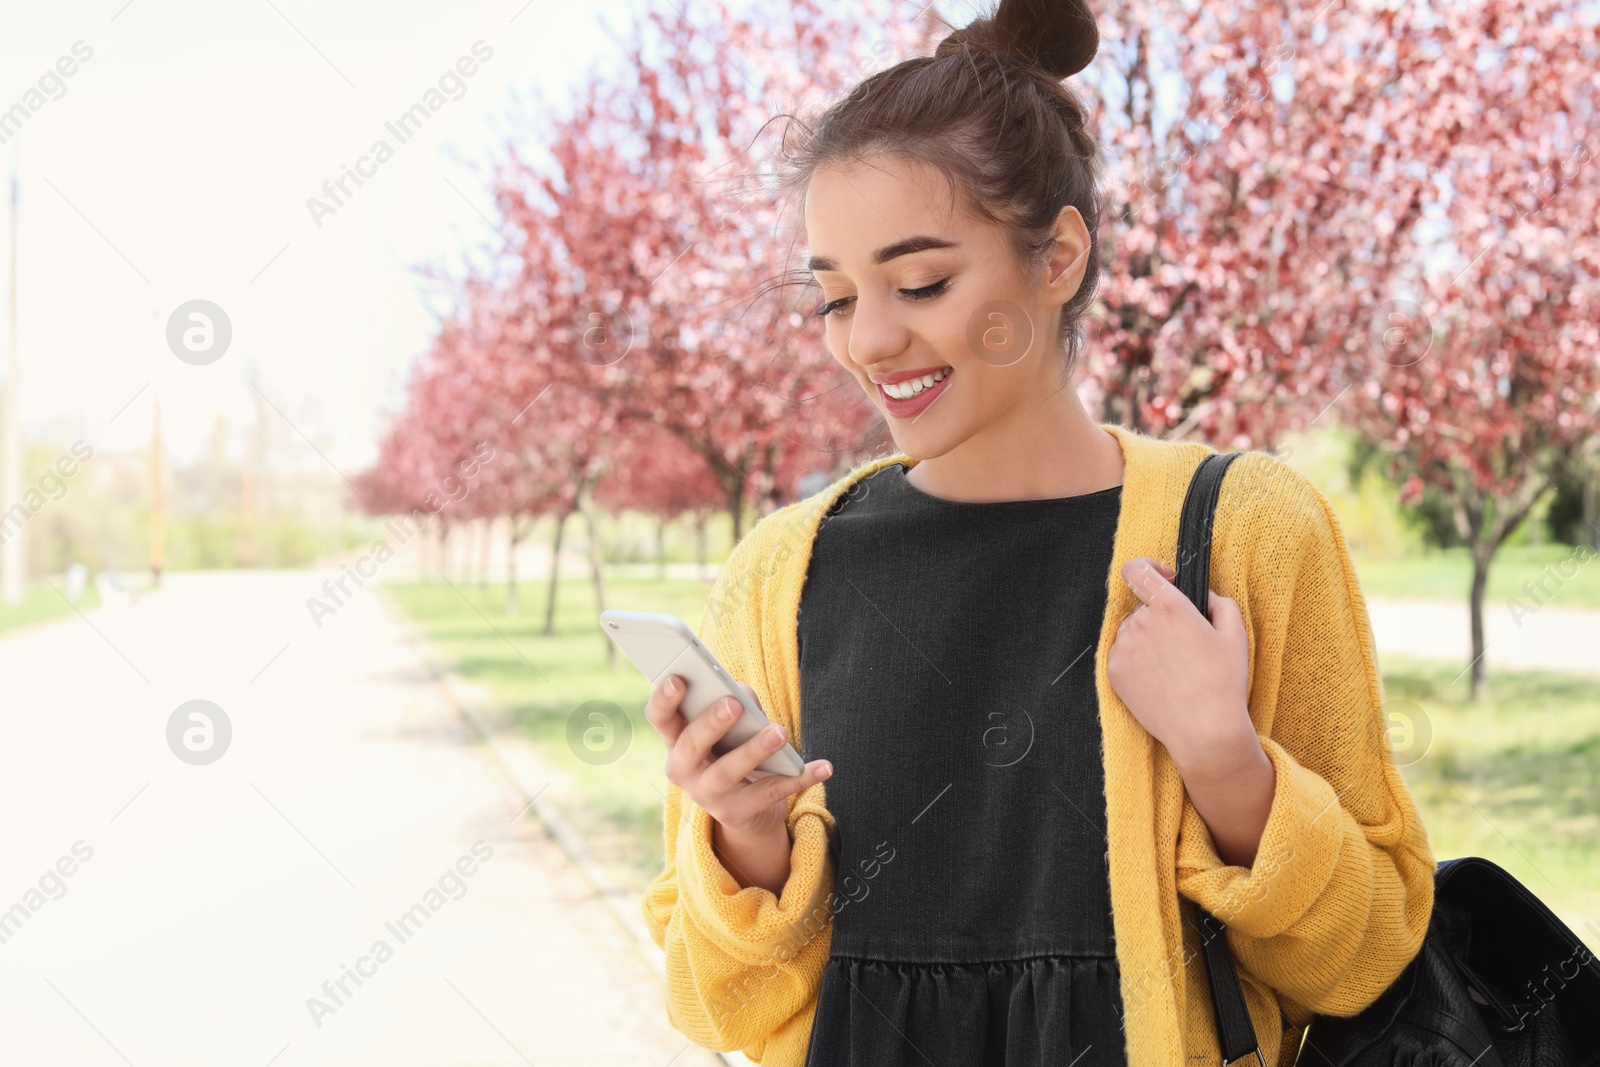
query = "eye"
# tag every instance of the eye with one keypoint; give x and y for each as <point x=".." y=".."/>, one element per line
<point x="822" y="311"/>
<point x="927" y="292"/>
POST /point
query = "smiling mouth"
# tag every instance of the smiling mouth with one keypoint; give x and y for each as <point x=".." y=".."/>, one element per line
<point x="913" y="386"/>
<point x="910" y="398"/>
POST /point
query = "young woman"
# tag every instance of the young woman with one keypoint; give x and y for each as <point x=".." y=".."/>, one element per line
<point x="1028" y="755"/>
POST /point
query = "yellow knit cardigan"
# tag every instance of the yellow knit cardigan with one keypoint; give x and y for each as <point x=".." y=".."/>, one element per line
<point x="1334" y="906"/>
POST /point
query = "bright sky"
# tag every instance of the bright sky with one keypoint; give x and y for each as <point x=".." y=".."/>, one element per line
<point x="175" y="163"/>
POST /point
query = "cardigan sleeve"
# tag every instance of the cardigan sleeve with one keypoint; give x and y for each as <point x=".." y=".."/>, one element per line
<point x="743" y="965"/>
<point x="1339" y="895"/>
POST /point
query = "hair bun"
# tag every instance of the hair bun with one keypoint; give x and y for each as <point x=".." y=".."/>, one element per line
<point x="1059" y="36"/>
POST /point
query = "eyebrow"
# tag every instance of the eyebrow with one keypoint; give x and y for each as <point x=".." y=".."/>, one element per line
<point x="887" y="252"/>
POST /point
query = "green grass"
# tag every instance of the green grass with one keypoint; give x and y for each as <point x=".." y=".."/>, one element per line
<point x="1513" y="780"/>
<point x="42" y="602"/>
<point x="541" y="682"/>
<point x="1447" y="575"/>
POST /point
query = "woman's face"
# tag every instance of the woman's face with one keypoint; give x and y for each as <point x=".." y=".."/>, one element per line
<point x="927" y="307"/>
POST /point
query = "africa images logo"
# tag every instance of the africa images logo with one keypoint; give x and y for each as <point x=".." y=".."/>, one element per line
<point x="451" y="885"/>
<point x="402" y="129"/>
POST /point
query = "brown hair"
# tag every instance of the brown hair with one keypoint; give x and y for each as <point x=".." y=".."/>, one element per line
<point x="988" y="110"/>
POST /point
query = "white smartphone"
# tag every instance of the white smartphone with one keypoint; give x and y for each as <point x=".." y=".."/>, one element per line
<point x="661" y="644"/>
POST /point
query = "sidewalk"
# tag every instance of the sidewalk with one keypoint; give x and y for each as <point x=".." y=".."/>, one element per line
<point x="1551" y="638"/>
<point x="216" y="903"/>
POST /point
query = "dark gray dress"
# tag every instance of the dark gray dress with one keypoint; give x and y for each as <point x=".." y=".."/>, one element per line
<point x="947" y="670"/>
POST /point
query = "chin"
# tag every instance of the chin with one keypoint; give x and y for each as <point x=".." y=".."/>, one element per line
<point x="922" y="443"/>
<point x="941" y="426"/>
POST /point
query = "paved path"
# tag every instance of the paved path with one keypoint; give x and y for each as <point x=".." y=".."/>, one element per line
<point x="217" y="899"/>
<point x="1550" y="637"/>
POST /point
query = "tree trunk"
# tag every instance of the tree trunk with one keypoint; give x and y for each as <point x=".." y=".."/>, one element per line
<point x="767" y="500"/>
<point x="1480" y="582"/>
<point x="733" y="489"/>
<point x="485" y="542"/>
<point x="597" y="572"/>
<point x="555" y="573"/>
<point x="518" y="528"/>
<point x="700" y="520"/>
<point x="661" y="546"/>
<point x="1591" y="507"/>
<point x="1484" y="523"/>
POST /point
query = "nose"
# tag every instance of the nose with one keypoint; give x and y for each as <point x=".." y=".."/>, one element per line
<point x="876" y="333"/>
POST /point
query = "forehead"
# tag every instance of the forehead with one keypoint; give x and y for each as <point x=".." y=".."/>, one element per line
<point x="871" y="202"/>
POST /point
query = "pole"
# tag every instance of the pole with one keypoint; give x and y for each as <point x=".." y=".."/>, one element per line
<point x="158" y="547"/>
<point x="254" y="452"/>
<point x="13" y="552"/>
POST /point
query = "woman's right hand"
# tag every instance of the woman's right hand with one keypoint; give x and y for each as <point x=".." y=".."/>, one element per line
<point x="746" y="811"/>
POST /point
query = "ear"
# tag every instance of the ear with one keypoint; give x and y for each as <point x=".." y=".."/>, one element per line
<point x="1069" y="256"/>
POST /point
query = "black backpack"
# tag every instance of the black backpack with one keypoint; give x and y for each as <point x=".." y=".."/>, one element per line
<point x="1499" y="980"/>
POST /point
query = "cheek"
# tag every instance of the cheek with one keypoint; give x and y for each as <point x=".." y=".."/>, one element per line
<point x="994" y="335"/>
<point x="951" y="335"/>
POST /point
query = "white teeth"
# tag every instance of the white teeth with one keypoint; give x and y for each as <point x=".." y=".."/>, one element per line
<point x="907" y="389"/>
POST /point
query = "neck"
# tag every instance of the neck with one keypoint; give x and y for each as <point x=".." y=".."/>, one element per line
<point x="1046" y="448"/>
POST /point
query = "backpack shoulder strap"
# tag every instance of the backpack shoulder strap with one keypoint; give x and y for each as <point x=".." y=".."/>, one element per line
<point x="1194" y="528"/>
<point x="1235" y="1033"/>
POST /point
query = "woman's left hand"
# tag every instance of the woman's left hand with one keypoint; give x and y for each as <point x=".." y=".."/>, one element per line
<point x="1183" y="676"/>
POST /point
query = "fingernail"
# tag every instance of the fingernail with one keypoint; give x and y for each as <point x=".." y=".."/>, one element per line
<point x="672" y="686"/>
<point x="826" y="770"/>
<point x="782" y="733"/>
<point x="730" y="708"/>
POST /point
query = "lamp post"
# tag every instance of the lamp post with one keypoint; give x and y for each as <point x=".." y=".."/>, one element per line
<point x="158" y="545"/>
<point x="13" y="552"/>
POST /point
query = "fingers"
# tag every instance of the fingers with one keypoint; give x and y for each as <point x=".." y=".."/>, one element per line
<point x="662" y="709"/>
<point x="1154" y="583"/>
<point x="693" y="748"/>
<point x="731" y="786"/>
<point x="728" y="770"/>
<point x="1150" y="581"/>
<point x="1225" y="613"/>
<point x="750" y="798"/>
<point x="775" y="788"/>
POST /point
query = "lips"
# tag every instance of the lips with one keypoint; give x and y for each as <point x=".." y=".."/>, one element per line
<point x="910" y="407"/>
<point x="905" y="375"/>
